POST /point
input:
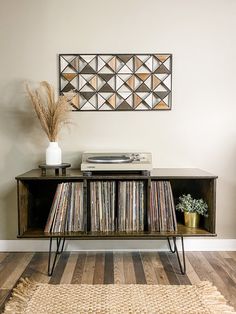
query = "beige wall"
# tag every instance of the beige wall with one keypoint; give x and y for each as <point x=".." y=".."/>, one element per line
<point x="200" y="131"/>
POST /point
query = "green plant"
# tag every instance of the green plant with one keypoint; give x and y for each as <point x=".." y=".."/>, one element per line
<point x="191" y="205"/>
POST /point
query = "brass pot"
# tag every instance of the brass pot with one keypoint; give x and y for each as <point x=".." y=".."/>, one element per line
<point x="191" y="220"/>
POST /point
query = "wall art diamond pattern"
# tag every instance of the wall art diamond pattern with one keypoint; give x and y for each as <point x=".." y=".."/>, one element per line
<point x="116" y="82"/>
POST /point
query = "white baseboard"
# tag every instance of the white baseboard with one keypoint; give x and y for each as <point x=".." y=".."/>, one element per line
<point x="191" y="244"/>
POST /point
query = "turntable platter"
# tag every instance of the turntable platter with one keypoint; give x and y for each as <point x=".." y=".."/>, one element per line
<point x="110" y="159"/>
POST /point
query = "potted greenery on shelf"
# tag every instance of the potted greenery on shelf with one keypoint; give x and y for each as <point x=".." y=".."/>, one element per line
<point x="192" y="209"/>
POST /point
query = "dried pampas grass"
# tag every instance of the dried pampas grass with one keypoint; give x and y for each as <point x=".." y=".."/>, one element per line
<point x="52" y="114"/>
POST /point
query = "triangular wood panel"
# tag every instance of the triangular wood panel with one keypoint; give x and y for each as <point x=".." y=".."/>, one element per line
<point x="137" y="100"/>
<point x="162" y="58"/>
<point x="75" y="101"/>
<point x="143" y="88"/>
<point x="162" y="95"/>
<point x="106" y="77"/>
<point x="142" y="76"/>
<point x="69" y="69"/>
<point x="125" y="69"/>
<point x="125" y="58"/>
<point x="106" y="70"/>
<point x="130" y="82"/>
<point x="93" y="82"/>
<point x="75" y="63"/>
<point x="162" y="70"/>
<point x="112" y="101"/>
<point x="142" y="106"/>
<point x="88" y="70"/>
<point x="68" y="88"/>
<point x="137" y="63"/>
<point x="112" y="63"/>
<point x="155" y="81"/>
<point x="87" y="95"/>
<point x="161" y="105"/>
<point x="106" y="107"/>
<point x="69" y="76"/>
<point x="106" y="89"/>
<point x="124" y="106"/>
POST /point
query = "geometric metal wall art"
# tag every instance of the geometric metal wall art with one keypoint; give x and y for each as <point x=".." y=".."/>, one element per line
<point x="116" y="82"/>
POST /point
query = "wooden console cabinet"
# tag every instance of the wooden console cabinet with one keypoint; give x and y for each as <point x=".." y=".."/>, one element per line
<point x="35" y="195"/>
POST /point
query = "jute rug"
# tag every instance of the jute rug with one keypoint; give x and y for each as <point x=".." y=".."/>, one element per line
<point x="37" y="298"/>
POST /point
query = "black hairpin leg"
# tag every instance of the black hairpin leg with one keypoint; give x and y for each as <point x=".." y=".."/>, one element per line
<point x="170" y="247"/>
<point x="58" y="251"/>
<point x="182" y="265"/>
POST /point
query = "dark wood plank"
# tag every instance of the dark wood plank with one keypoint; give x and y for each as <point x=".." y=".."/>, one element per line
<point x="219" y="267"/>
<point x="159" y="269"/>
<point x="233" y="255"/>
<point x="192" y="275"/>
<point x="37" y="267"/>
<point x="231" y="267"/>
<point x="168" y="268"/>
<point x="4" y="297"/>
<point x="109" y="268"/>
<point x="119" y="277"/>
<point x="69" y="269"/>
<point x="206" y="271"/>
<point x="79" y="268"/>
<point x="8" y="265"/>
<point x="138" y="268"/>
<point x="88" y="273"/>
<point x="3" y="255"/>
<point x="183" y="279"/>
<point x="98" y="277"/>
<point x="148" y="268"/>
<point x="203" y="268"/>
<point x="228" y="264"/>
<point x="59" y="268"/>
<point x="17" y="271"/>
<point x="129" y="274"/>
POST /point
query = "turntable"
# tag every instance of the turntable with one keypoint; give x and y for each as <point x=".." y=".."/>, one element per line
<point x="116" y="162"/>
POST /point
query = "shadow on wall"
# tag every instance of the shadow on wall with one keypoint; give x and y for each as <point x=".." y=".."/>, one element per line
<point x="8" y="225"/>
<point x="21" y="140"/>
<point x="18" y="119"/>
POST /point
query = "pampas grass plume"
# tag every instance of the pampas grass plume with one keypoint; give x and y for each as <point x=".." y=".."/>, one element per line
<point x="52" y="114"/>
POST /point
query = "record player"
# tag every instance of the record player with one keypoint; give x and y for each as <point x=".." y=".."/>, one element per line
<point x="116" y="162"/>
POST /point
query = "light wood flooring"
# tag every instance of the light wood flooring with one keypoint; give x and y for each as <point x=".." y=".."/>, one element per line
<point x="120" y="268"/>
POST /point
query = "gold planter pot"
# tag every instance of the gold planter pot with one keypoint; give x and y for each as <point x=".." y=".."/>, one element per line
<point x="191" y="220"/>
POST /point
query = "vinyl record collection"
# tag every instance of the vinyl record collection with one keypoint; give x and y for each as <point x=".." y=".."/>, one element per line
<point x="114" y="206"/>
<point x="102" y="205"/>
<point x="162" y="215"/>
<point x="131" y="206"/>
<point x="67" y="212"/>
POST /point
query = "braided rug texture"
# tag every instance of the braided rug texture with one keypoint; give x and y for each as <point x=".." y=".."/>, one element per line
<point x="37" y="298"/>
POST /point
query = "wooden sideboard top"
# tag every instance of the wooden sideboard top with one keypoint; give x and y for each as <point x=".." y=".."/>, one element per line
<point x="156" y="173"/>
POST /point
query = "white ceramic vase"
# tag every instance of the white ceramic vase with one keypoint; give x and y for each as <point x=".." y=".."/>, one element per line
<point x="53" y="154"/>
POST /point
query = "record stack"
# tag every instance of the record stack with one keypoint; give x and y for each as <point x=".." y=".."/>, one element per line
<point x="102" y="205"/>
<point x="131" y="206"/>
<point x="162" y="209"/>
<point x="67" y="212"/>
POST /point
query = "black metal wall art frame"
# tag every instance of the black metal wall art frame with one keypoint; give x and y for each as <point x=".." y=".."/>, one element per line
<point x="116" y="82"/>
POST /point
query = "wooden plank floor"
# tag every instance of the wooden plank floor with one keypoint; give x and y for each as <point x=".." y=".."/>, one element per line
<point x="120" y="268"/>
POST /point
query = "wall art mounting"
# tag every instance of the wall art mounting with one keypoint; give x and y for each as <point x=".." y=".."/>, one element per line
<point x="116" y="82"/>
